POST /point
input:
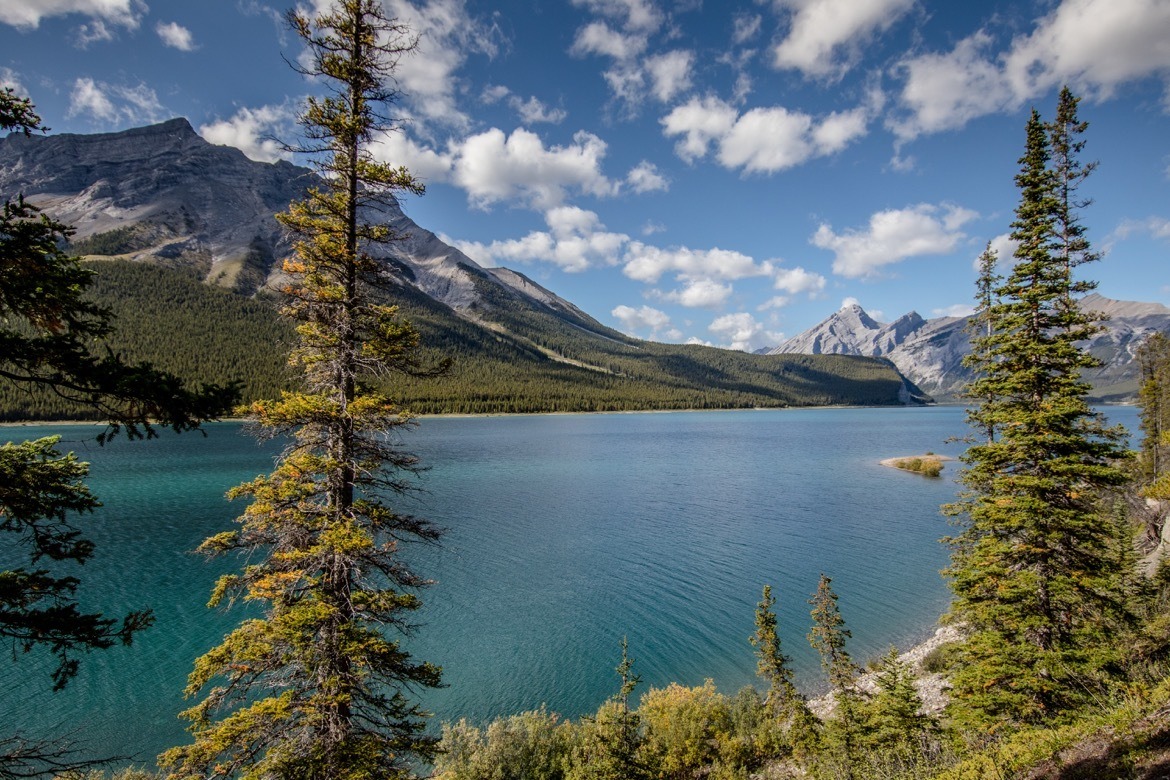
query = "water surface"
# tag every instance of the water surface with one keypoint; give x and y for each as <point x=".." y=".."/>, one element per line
<point x="565" y="533"/>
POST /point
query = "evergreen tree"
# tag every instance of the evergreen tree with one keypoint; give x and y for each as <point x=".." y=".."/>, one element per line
<point x="1031" y="570"/>
<point x="828" y="637"/>
<point x="48" y="334"/>
<point x="772" y="665"/>
<point x="1153" y="358"/>
<point x="895" y="712"/>
<point x="981" y="326"/>
<point x="315" y="688"/>
<point x="1072" y="244"/>
<point x="611" y="744"/>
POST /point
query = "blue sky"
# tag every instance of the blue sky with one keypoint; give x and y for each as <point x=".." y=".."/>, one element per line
<point x="684" y="170"/>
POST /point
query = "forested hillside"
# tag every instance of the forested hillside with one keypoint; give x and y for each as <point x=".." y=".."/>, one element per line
<point x="202" y="333"/>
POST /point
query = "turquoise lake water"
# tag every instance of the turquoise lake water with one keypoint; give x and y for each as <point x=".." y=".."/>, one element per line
<point x="565" y="533"/>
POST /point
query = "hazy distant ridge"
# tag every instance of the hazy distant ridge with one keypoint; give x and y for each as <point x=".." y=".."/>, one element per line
<point x="930" y="352"/>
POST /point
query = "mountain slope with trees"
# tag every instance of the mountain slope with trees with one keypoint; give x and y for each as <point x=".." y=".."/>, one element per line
<point x="159" y="210"/>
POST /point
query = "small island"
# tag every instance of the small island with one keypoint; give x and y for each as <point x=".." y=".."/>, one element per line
<point x="928" y="465"/>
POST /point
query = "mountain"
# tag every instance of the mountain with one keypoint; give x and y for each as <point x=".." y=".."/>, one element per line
<point x="177" y="225"/>
<point x="930" y="352"/>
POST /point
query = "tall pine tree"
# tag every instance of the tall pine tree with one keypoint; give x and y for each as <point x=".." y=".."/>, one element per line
<point x="828" y="636"/>
<point x="319" y="686"/>
<point x="1032" y="570"/>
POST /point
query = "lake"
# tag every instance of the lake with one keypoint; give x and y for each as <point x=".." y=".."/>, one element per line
<point x="564" y="534"/>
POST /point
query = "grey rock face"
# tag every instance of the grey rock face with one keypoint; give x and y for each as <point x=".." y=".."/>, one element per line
<point x="930" y="352"/>
<point x="183" y="201"/>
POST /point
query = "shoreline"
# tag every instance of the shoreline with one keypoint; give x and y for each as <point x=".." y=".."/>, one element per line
<point x="457" y="415"/>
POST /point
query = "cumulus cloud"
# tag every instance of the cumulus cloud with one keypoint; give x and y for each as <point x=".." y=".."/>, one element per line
<point x="670" y="73"/>
<point x="27" y="14"/>
<point x="575" y="241"/>
<point x="1004" y="247"/>
<point x="795" y="281"/>
<point x="253" y="131"/>
<point x="893" y="236"/>
<point x="646" y="263"/>
<point x="699" y="294"/>
<point x="741" y="331"/>
<point x="825" y="37"/>
<point x="954" y="310"/>
<point x="775" y="302"/>
<point x="493" y="167"/>
<point x="11" y="79"/>
<point x="762" y="140"/>
<point x="447" y="35"/>
<point x="1096" y="45"/>
<point x="176" y="36"/>
<point x="114" y="103"/>
<point x="644" y="177"/>
<point x="645" y="319"/>
<point x="600" y="38"/>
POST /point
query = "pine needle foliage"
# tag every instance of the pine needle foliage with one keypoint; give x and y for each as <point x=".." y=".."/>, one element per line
<point x="319" y="687"/>
<point x="1032" y="570"/>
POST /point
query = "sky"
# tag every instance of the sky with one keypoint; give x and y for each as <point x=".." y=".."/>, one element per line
<point x="723" y="172"/>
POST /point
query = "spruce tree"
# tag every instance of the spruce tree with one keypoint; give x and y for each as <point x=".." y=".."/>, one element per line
<point x="319" y="686"/>
<point x="772" y="666"/>
<point x="828" y="636"/>
<point x="1031" y="570"/>
<point x="981" y="326"/>
<point x="611" y="743"/>
<point x="1153" y="358"/>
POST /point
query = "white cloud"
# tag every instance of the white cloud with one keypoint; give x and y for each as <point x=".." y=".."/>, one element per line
<point x="532" y="111"/>
<point x="741" y="331"/>
<point x="795" y="281"/>
<point x="644" y="177"/>
<point x="113" y="103"/>
<point x="492" y="167"/>
<point x="575" y="241"/>
<point x="650" y="228"/>
<point x="1005" y="250"/>
<point x="447" y="35"/>
<point x="762" y="140"/>
<point x="670" y="73"/>
<point x="176" y="36"/>
<point x="747" y="26"/>
<point x="634" y="321"/>
<point x="893" y="236"/>
<point x="775" y="302"/>
<point x="700" y="121"/>
<point x="646" y="263"/>
<point x="954" y="310"/>
<point x="253" y="131"/>
<point x="825" y="36"/>
<point x="699" y="294"/>
<point x="396" y="148"/>
<point x="599" y="38"/>
<point x="633" y="14"/>
<point x="27" y="14"/>
<point x="95" y="31"/>
<point x="1095" y="45"/>
<point x="1157" y="227"/>
<point x="945" y="91"/>
<point x="850" y="301"/>
<point x="11" y="79"/>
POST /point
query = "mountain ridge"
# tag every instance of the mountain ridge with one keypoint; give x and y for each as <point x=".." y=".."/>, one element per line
<point x="930" y="352"/>
<point x="162" y="196"/>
